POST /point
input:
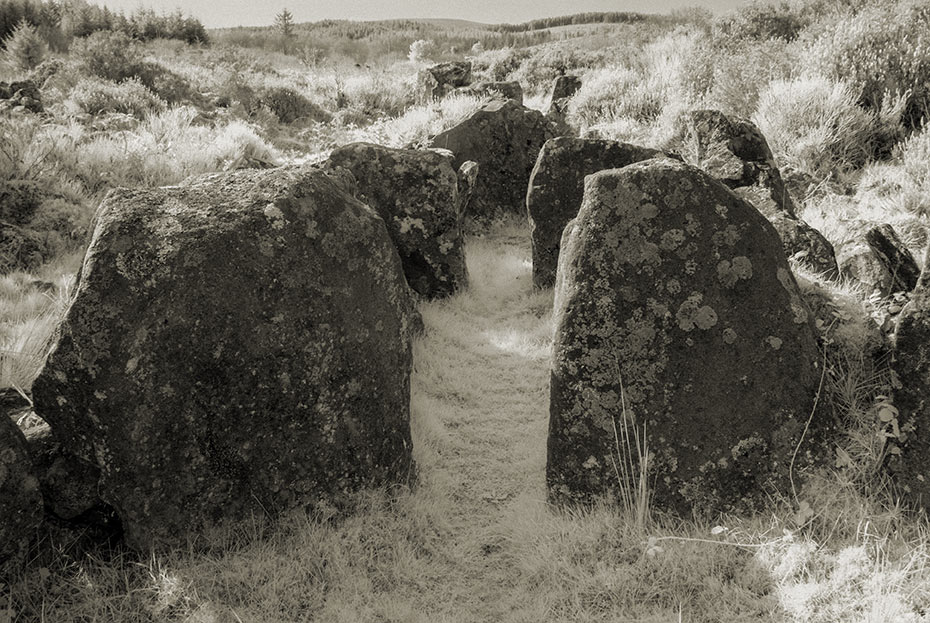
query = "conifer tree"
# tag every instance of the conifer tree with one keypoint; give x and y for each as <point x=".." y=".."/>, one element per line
<point x="25" y="49"/>
<point x="284" y="22"/>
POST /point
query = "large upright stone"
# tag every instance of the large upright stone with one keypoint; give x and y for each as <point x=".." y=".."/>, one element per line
<point x="563" y="88"/>
<point x="415" y="192"/>
<point x="556" y="188"/>
<point x="678" y="318"/>
<point x="439" y="80"/>
<point x="504" y="138"/>
<point x="20" y="499"/>
<point x="734" y="151"/>
<point x="911" y="363"/>
<point x="238" y="345"/>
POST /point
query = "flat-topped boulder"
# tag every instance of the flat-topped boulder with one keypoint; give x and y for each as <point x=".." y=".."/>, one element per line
<point x="238" y="345"/>
<point x="504" y="138"/>
<point x="556" y="188"/>
<point x="678" y="324"/>
<point x="416" y="193"/>
<point x="436" y="82"/>
<point x="734" y="151"/>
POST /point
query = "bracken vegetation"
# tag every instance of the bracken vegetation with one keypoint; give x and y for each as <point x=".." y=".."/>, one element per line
<point x="841" y="90"/>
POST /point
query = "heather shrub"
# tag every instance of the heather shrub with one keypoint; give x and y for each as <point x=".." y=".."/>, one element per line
<point x="816" y="126"/>
<point x="130" y="97"/>
<point x="421" y="50"/>
<point x="378" y="94"/>
<point x="915" y="157"/>
<point x="25" y="49"/>
<point x="759" y="20"/>
<point x="914" y="179"/>
<point x="168" y="85"/>
<point x="881" y="49"/>
<point x="538" y="70"/>
<point x="639" y="103"/>
<point x="419" y="123"/>
<point x="742" y="70"/>
<point x="615" y="92"/>
<point x="497" y="65"/>
<point x="167" y="148"/>
<point x="289" y="106"/>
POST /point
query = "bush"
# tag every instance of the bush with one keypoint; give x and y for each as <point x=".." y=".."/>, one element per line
<point x="166" y="148"/>
<point x="538" y="70"/>
<point x="109" y="55"/>
<point x="166" y="84"/>
<point x="816" y="126"/>
<point x="130" y="97"/>
<point x="288" y="105"/>
<point x="881" y="50"/>
<point x="421" y="50"/>
<point x="497" y="65"/>
<point x="640" y="103"/>
<point x="615" y="92"/>
<point x="742" y="70"/>
<point x="759" y="20"/>
<point x="25" y="49"/>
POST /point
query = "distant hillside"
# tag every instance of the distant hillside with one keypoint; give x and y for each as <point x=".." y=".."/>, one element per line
<point x="365" y="41"/>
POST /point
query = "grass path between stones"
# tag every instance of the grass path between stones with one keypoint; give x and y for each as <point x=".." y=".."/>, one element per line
<point x="480" y="411"/>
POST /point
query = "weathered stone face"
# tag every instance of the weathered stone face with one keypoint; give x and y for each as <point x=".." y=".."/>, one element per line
<point x="911" y="363"/>
<point x="504" y="138"/>
<point x="415" y="192"/>
<point x="734" y="151"/>
<point x="68" y="484"/>
<point x="876" y="258"/>
<point x="676" y="314"/>
<point x="556" y="188"/>
<point x="237" y="345"/>
<point x="467" y="178"/>
<point x="20" y="499"/>
<point x="437" y="81"/>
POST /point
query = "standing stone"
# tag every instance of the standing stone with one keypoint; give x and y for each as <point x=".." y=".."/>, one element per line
<point x="415" y="192"/>
<point x="434" y="83"/>
<point x="677" y="317"/>
<point x="734" y="151"/>
<point x="20" y="499"/>
<point x="911" y="363"/>
<point x="563" y="88"/>
<point x="504" y="138"/>
<point x="239" y="345"/>
<point x="556" y="188"/>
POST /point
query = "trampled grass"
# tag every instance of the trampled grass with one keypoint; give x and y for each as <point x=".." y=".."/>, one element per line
<point x="476" y="541"/>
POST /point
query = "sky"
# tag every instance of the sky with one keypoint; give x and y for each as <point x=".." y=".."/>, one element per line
<point x="225" y="13"/>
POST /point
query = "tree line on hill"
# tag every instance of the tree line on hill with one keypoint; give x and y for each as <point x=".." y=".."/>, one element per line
<point x="58" y="22"/>
<point x="615" y="17"/>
